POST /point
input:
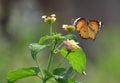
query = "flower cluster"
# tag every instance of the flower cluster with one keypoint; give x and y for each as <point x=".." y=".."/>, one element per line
<point x="56" y="44"/>
<point x="50" y="19"/>
<point x="71" y="44"/>
<point x="69" y="28"/>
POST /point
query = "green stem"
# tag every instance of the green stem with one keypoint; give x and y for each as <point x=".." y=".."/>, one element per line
<point x="50" y="60"/>
<point x="63" y="59"/>
<point x="51" y="56"/>
<point x="44" y="81"/>
<point x="59" y="46"/>
<point x="51" y="29"/>
<point x="68" y="53"/>
<point x="38" y="64"/>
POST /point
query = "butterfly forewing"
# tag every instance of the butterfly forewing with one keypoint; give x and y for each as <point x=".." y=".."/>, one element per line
<point x="79" y="23"/>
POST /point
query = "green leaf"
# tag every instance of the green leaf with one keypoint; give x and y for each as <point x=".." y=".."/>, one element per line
<point x="58" y="36"/>
<point x="71" y="80"/>
<point x="59" y="71"/>
<point x="35" y="48"/>
<point x="68" y="73"/>
<point x="76" y="58"/>
<point x="71" y="37"/>
<point x="48" y="74"/>
<point x="44" y="38"/>
<point x="55" y="36"/>
<point x="62" y="75"/>
<point x="63" y="79"/>
<point x="22" y="73"/>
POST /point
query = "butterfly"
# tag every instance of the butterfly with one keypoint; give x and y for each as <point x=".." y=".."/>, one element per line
<point x="87" y="29"/>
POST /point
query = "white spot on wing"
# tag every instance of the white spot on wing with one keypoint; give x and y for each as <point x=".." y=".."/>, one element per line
<point x="100" y="25"/>
<point x="76" y="21"/>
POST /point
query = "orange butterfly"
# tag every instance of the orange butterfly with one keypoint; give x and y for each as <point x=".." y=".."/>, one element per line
<point x="87" y="29"/>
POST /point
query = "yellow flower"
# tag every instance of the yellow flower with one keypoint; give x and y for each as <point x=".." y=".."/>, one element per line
<point x="71" y="44"/>
<point x="69" y="28"/>
<point x="50" y="19"/>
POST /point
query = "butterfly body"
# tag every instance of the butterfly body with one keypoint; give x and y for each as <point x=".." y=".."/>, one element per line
<point x="87" y="29"/>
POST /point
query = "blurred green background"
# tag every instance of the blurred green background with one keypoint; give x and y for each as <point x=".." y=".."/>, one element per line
<point x="21" y="24"/>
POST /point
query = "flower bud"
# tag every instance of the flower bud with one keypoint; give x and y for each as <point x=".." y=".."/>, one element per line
<point x="69" y="28"/>
<point x="50" y="19"/>
<point x="71" y="44"/>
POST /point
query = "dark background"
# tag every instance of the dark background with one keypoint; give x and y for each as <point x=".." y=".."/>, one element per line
<point x="21" y="24"/>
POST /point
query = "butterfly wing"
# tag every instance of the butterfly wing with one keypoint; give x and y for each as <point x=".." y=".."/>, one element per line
<point x="79" y="23"/>
<point x="94" y="27"/>
<point x="81" y="26"/>
<point x="84" y="32"/>
<point x="87" y="29"/>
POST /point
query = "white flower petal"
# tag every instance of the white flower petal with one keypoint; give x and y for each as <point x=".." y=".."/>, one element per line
<point x="44" y="16"/>
<point x="53" y="15"/>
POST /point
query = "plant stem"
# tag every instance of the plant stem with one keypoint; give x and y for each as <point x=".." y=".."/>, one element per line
<point x="51" y="56"/>
<point x="63" y="59"/>
<point x="38" y="64"/>
<point x="51" y="29"/>
<point x="50" y="60"/>
<point x="44" y="81"/>
<point x="59" y="45"/>
<point x="68" y="53"/>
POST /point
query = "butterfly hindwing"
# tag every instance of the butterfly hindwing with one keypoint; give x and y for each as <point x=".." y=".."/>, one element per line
<point x="94" y="25"/>
<point x="84" y="31"/>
